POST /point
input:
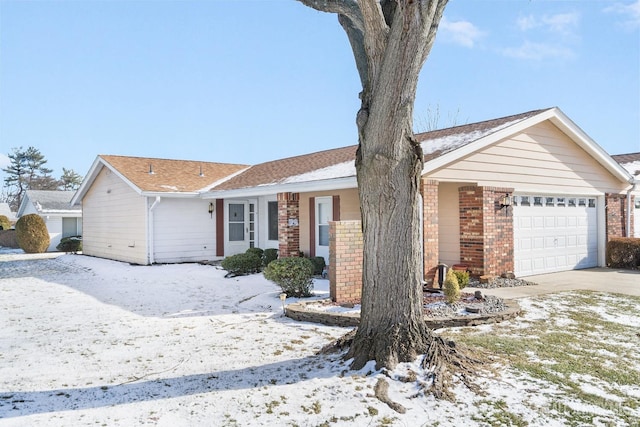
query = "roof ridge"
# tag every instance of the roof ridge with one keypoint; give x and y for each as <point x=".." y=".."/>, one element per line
<point x="497" y="119"/>
<point x="106" y="156"/>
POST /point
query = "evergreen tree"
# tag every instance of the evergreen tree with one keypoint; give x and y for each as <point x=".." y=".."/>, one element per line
<point x="69" y="180"/>
<point x="26" y="171"/>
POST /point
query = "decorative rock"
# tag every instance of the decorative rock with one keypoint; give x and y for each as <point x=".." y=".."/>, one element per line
<point x="508" y="275"/>
<point x="472" y="309"/>
<point x="486" y="278"/>
<point x="477" y="295"/>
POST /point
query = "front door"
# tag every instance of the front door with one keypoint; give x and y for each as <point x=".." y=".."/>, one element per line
<point x="241" y="226"/>
<point x="324" y="214"/>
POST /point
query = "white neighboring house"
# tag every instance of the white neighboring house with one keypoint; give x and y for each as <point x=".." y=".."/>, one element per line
<point x="6" y="211"/>
<point x="62" y="219"/>
<point x="631" y="162"/>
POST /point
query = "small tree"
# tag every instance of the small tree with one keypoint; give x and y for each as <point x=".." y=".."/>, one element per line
<point x="4" y="222"/>
<point x="451" y="287"/>
<point x="32" y="234"/>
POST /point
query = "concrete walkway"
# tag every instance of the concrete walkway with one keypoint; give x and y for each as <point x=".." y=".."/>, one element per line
<point x="593" y="279"/>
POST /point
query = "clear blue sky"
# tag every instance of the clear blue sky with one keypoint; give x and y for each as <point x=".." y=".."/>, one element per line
<point x="250" y="81"/>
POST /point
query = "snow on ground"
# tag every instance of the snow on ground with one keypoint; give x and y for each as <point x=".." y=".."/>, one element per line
<point x="87" y="341"/>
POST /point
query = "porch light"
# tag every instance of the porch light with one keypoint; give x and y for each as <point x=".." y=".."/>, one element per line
<point x="211" y="209"/>
<point x="505" y="201"/>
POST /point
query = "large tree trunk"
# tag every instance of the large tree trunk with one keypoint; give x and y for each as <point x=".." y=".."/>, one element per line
<point x="390" y="40"/>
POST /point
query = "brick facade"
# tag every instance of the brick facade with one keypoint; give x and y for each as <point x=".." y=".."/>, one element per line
<point x="615" y="210"/>
<point x="345" y="257"/>
<point x="486" y="230"/>
<point x="288" y="224"/>
<point x="429" y="191"/>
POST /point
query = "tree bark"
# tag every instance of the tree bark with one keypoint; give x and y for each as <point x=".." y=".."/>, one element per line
<point x="390" y="41"/>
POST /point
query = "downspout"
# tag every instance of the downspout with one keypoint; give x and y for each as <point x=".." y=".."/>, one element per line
<point x="150" y="240"/>
<point x="630" y="206"/>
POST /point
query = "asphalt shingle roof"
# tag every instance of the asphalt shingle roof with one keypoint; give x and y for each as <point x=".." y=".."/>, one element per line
<point x="52" y="200"/>
<point x="171" y="176"/>
<point x="434" y="144"/>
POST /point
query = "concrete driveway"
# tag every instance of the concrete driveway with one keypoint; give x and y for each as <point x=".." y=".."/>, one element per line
<point x="593" y="279"/>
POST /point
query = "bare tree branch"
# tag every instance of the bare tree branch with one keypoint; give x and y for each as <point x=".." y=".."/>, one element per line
<point x="348" y="8"/>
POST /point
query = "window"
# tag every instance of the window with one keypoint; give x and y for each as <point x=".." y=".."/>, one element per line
<point x="524" y="201"/>
<point x="592" y="203"/>
<point x="582" y="202"/>
<point x="272" y="214"/>
<point x="537" y="201"/>
<point x="572" y="202"/>
<point x="236" y="222"/>
<point x="560" y="201"/>
<point x="549" y="201"/>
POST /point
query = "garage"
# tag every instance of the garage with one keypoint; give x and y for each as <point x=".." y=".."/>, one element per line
<point x="554" y="233"/>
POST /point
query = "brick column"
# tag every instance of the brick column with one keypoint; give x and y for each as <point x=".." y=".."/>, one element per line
<point x="498" y="232"/>
<point x="430" y="236"/>
<point x="288" y="224"/>
<point x="345" y="256"/>
<point x="615" y="211"/>
<point x="486" y="230"/>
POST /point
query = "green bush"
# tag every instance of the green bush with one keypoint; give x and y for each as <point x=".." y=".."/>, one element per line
<point x="269" y="255"/>
<point x="318" y="265"/>
<point x="451" y="287"/>
<point x="246" y="263"/>
<point x="5" y="223"/>
<point x="463" y="278"/>
<point x="32" y="234"/>
<point x="256" y="251"/>
<point x="71" y="244"/>
<point x="293" y="275"/>
<point x="623" y="252"/>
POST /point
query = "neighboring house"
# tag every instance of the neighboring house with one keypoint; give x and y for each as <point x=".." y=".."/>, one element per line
<point x="631" y="162"/>
<point x="145" y="210"/>
<point x="6" y="211"/>
<point x="62" y="218"/>
<point x="566" y="195"/>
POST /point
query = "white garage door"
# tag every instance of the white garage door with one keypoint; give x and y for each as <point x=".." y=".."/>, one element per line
<point x="553" y="233"/>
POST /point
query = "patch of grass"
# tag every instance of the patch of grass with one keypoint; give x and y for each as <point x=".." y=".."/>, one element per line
<point x="576" y="350"/>
<point x="498" y="414"/>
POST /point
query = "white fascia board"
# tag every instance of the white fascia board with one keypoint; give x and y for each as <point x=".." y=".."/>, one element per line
<point x="296" y="187"/>
<point x="171" y="195"/>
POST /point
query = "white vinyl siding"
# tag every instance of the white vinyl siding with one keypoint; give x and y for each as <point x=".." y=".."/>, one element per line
<point x="636" y="217"/>
<point x="184" y="231"/>
<point x="114" y="220"/>
<point x="540" y="159"/>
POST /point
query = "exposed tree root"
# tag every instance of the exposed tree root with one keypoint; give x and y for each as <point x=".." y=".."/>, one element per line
<point x="381" y="391"/>
<point x="443" y="361"/>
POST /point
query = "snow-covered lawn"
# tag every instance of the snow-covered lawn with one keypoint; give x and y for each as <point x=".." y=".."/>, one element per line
<point x="86" y="341"/>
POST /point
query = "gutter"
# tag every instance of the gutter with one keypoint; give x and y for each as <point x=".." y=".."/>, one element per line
<point x="150" y="241"/>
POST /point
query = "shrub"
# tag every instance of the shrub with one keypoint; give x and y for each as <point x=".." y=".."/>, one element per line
<point x="71" y="244"/>
<point x="623" y="252"/>
<point x="451" y="287"/>
<point x="318" y="264"/>
<point x="246" y="263"/>
<point x="269" y="255"/>
<point x="32" y="234"/>
<point x="5" y="223"/>
<point x="256" y="251"/>
<point x="8" y="239"/>
<point x="463" y="278"/>
<point x="293" y="275"/>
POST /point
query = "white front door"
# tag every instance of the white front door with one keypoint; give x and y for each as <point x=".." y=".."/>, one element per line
<point x="324" y="214"/>
<point x="240" y="220"/>
<point x="554" y="233"/>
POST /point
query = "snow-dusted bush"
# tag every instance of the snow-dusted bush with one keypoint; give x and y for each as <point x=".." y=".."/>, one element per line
<point x="293" y="275"/>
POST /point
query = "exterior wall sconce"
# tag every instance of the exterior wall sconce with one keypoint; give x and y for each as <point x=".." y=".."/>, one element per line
<point x="211" y="209"/>
<point x="505" y="201"/>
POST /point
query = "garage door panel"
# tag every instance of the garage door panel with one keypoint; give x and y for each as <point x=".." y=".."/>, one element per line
<point x="555" y="237"/>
